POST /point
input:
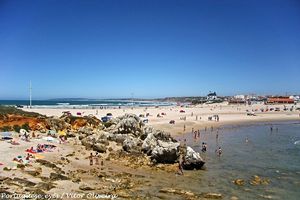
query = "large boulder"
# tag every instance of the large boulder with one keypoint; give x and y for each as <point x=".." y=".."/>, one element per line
<point x="165" y="152"/>
<point x="118" y="138"/>
<point x="101" y="148"/>
<point x="149" y="143"/>
<point x="86" y="131"/>
<point x="132" y="144"/>
<point x="128" y="124"/>
<point x="192" y="160"/>
<point x="152" y="138"/>
<point x="89" y="141"/>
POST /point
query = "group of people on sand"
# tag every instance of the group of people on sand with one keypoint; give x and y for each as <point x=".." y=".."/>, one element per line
<point x="40" y="148"/>
<point x="95" y="157"/>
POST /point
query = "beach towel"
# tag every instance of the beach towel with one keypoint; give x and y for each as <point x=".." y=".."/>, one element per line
<point x="30" y="151"/>
<point x="37" y="156"/>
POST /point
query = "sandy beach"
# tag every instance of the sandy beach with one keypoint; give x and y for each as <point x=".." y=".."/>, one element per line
<point x="196" y="117"/>
<point x="125" y="176"/>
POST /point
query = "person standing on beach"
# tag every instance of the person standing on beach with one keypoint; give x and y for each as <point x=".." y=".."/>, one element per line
<point x="183" y="127"/>
<point x="180" y="168"/>
<point x="97" y="159"/>
<point x="192" y="130"/>
<point x="198" y="133"/>
<point x="91" y="159"/>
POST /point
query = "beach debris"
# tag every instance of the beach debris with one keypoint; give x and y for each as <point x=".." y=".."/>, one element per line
<point x="239" y="182"/>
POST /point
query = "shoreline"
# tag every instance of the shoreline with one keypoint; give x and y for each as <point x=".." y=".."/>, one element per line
<point x="193" y="117"/>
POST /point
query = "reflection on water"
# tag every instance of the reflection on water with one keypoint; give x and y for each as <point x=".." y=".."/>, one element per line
<point x="248" y="151"/>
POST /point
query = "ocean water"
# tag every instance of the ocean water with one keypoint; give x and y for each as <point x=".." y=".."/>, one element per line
<point x="84" y="103"/>
<point x="272" y="155"/>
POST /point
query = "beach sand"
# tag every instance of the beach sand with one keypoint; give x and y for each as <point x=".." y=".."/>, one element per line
<point x="228" y="114"/>
<point x="127" y="177"/>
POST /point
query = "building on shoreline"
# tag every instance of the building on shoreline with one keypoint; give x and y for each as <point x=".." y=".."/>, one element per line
<point x="280" y="100"/>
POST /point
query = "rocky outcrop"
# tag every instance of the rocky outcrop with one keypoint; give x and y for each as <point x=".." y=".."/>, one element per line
<point x="85" y="121"/>
<point x="127" y="124"/>
<point x="101" y="148"/>
<point x="57" y="176"/>
<point x="55" y="123"/>
<point x="192" y="160"/>
<point x="132" y="144"/>
<point x="165" y="152"/>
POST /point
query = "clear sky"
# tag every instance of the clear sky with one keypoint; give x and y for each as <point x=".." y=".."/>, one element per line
<point x="152" y="48"/>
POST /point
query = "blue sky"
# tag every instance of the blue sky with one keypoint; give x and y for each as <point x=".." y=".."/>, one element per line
<point x="152" y="48"/>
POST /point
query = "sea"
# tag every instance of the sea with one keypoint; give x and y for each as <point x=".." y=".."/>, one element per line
<point x="249" y="150"/>
<point x="85" y="103"/>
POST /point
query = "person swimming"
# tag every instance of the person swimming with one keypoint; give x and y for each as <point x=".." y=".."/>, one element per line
<point x="204" y="147"/>
<point x="219" y="151"/>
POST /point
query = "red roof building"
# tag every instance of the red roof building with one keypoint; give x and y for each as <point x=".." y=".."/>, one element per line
<point x="280" y="100"/>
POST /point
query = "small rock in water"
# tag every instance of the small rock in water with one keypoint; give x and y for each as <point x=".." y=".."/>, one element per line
<point x="239" y="182"/>
<point x="213" y="196"/>
<point x="258" y="181"/>
<point x="234" y="198"/>
<point x="266" y="196"/>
